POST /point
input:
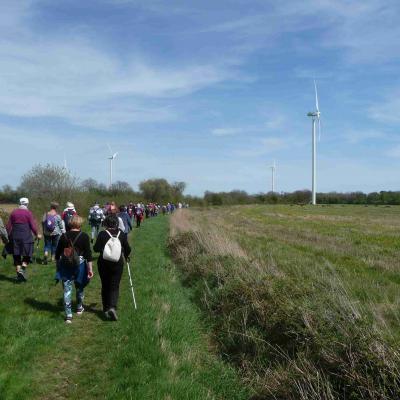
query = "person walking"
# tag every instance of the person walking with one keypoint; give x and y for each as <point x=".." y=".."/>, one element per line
<point x="96" y="217"/>
<point x="21" y="225"/>
<point x="130" y="210"/>
<point x="111" y="272"/>
<point x="53" y="228"/>
<point x="138" y="215"/>
<point x="114" y="210"/>
<point x="67" y="215"/>
<point x="125" y="219"/>
<point x="74" y="265"/>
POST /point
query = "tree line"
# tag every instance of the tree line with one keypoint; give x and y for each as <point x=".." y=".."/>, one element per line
<point x="54" y="183"/>
<point x="46" y="183"/>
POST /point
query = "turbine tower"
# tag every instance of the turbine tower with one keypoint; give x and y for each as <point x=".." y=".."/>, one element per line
<point x="111" y="158"/>
<point x="315" y="116"/>
<point x="273" y="168"/>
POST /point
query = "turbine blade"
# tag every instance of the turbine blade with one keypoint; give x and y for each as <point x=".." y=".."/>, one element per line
<point x="115" y="155"/>
<point x="109" y="148"/>
<point x="316" y="96"/>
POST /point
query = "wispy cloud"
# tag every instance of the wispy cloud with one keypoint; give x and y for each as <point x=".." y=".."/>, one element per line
<point x="77" y="80"/>
<point x="164" y="73"/>
<point x="393" y="151"/>
<point x="226" y="131"/>
<point x="358" y="136"/>
<point x="261" y="147"/>
<point x="388" y="110"/>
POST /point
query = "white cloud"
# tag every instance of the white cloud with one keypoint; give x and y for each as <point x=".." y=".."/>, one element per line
<point x="367" y="31"/>
<point x="387" y="111"/>
<point x="361" y="135"/>
<point x="78" y="81"/>
<point x="226" y="131"/>
<point x="261" y="147"/>
<point x="393" y="152"/>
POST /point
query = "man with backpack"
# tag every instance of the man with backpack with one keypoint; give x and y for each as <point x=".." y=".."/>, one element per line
<point x="96" y="217"/>
<point x="113" y="246"/>
<point x="53" y="228"/>
<point x="67" y="215"/>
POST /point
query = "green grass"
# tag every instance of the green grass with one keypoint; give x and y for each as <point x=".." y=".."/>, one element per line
<point x="304" y="300"/>
<point x="160" y="351"/>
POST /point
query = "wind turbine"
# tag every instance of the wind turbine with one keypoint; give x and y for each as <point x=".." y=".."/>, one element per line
<point x="273" y="168"/>
<point x="315" y="116"/>
<point x="111" y="158"/>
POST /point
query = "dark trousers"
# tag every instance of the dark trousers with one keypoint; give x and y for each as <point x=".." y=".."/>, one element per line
<point x="18" y="260"/>
<point x="110" y="275"/>
<point x="138" y="221"/>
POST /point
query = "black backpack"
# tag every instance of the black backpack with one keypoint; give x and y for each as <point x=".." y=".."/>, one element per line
<point x="70" y="257"/>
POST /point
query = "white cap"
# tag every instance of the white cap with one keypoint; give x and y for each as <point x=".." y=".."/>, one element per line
<point x="23" y="201"/>
<point x="70" y="205"/>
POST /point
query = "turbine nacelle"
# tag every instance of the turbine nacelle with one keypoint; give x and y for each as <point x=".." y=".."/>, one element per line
<point x="314" y="114"/>
<point x="113" y="156"/>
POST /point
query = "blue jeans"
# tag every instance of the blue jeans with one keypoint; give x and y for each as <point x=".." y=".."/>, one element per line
<point x="95" y="231"/>
<point x="50" y="244"/>
<point x="67" y="285"/>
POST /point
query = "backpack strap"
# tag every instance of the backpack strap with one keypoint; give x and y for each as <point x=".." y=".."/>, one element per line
<point x="72" y="242"/>
<point x="112" y="235"/>
<point x="77" y="237"/>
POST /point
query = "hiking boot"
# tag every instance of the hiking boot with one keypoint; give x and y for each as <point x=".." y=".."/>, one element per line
<point x="68" y="320"/>
<point x="112" y="314"/>
<point x="80" y="310"/>
<point x="21" y="276"/>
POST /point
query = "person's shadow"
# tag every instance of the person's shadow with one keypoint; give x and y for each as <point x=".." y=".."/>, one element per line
<point x="45" y="305"/>
<point x="6" y="278"/>
<point x="57" y="308"/>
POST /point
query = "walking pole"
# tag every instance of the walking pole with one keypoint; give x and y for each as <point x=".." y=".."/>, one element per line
<point x="37" y="250"/>
<point x="130" y="281"/>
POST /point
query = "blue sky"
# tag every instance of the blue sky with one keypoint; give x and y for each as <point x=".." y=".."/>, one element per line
<point x="206" y="92"/>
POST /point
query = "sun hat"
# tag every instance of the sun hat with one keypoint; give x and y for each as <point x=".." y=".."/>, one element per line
<point x="23" y="201"/>
<point x="70" y="205"/>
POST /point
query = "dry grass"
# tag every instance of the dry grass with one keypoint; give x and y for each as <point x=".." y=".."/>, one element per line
<point x="6" y="208"/>
<point x="306" y="305"/>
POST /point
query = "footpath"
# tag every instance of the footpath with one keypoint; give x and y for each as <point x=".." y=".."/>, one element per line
<point x="160" y="351"/>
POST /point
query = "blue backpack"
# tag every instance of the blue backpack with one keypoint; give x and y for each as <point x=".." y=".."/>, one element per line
<point x="50" y="223"/>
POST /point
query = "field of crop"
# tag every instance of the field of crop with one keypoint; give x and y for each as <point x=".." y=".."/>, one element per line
<point x="305" y="301"/>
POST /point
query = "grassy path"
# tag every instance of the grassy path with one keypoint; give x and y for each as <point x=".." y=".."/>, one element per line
<point x="158" y="352"/>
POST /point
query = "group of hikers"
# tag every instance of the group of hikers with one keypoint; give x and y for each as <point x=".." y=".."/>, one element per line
<point x="70" y="248"/>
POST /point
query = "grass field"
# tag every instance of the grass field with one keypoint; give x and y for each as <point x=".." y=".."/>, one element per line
<point x="305" y="301"/>
<point x="160" y="351"/>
